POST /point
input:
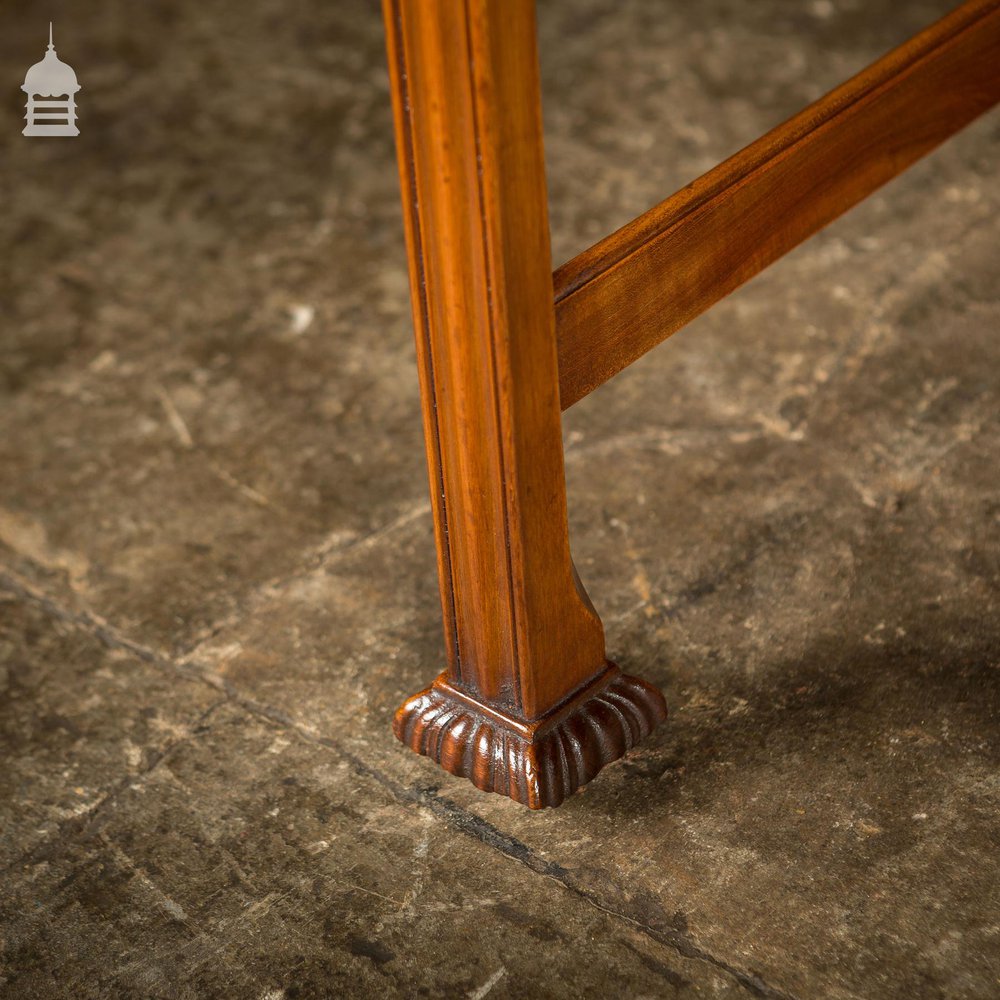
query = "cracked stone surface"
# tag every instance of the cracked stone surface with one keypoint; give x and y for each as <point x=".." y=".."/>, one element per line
<point x="217" y="576"/>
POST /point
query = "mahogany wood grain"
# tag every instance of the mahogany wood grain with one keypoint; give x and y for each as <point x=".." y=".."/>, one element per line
<point x="528" y="705"/>
<point x="633" y="289"/>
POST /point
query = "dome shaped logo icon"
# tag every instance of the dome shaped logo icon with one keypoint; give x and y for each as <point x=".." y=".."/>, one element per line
<point x="51" y="78"/>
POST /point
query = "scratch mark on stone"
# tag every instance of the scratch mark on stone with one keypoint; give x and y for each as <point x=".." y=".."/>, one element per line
<point x="168" y="905"/>
<point x="174" y="418"/>
<point x="264" y="905"/>
<point x="248" y="491"/>
<point x="377" y="895"/>
<point x="640" y="581"/>
<point x="184" y="436"/>
<point x="629" y="612"/>
<point x="338" y="548"/>
<point x="488" y="985"/>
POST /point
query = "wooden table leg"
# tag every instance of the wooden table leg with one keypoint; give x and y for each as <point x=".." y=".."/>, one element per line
<point x="528" y="705"/>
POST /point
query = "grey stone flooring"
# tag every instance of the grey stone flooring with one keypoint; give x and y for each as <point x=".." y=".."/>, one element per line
<point x="217" y="576"/>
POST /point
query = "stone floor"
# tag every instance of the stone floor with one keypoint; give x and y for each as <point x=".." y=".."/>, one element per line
<point x="217" y="577"/>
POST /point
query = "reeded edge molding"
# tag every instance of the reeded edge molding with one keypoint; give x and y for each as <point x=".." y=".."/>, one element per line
<point x="536" y="763"/>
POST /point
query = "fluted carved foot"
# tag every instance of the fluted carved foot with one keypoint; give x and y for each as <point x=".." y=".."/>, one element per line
<point x="536" y="763"/>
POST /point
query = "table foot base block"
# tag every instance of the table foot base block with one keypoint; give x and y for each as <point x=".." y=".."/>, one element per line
<point x="537" y="763"/>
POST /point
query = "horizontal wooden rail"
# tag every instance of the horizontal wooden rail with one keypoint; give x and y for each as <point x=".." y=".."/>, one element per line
<point x="642" y="283"/>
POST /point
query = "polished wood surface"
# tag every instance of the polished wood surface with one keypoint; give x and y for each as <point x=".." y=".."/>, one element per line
<point x="522" y="635"/>
<point x="633" y="289"/>
<point x="528" y="706"/>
